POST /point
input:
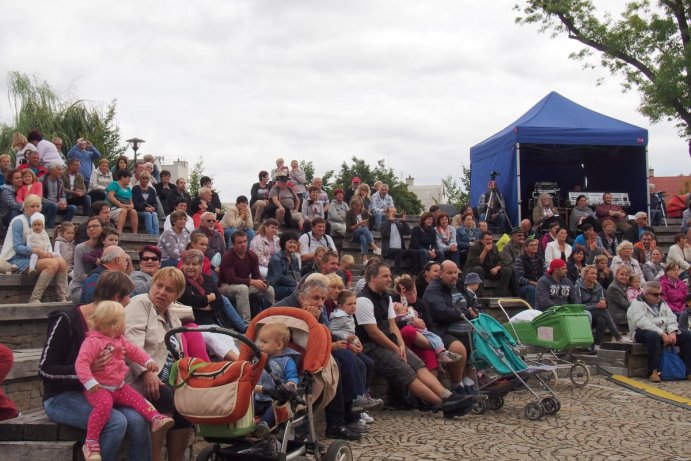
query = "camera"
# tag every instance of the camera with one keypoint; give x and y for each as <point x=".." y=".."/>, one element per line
<point x="493" y="175"/>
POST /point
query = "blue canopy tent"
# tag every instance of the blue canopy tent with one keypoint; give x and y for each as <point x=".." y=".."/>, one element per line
<point x="560" y="141"/>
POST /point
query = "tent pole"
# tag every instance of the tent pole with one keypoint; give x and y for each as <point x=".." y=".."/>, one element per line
<point x="518" y="180"/>
<point x="647" y="186"/>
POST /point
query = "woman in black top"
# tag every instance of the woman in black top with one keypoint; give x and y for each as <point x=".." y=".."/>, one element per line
<point x="259" y="196"/>
<point x="206" y="301"/>
<point x="430" y="272"/>
<point x="424" y="237"/>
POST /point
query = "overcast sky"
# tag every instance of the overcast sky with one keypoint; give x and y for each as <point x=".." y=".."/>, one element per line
<point x="243" y="82"/>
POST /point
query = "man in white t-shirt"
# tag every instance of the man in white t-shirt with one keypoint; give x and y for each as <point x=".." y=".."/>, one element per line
<point x="382" y="342"/>
<point x="48" y="152"/>
<point x="315" y="238"/>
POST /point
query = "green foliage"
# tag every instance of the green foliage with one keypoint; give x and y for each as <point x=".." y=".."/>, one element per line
<point x="36" y="105"/>
<point x="196" y="175"/>
<point x="457" y="194"/>
<point x="404" y="199"/>
<point x="649" y="46"/>
<point x="308" y="168"/>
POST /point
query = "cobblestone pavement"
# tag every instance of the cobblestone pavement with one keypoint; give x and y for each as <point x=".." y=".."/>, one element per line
<point x="602" y="421"/>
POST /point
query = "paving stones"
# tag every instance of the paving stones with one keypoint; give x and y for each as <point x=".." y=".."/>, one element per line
<point x="602" y="421"/>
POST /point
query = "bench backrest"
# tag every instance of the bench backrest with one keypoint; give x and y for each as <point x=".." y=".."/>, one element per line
<point x="595" y="198"/>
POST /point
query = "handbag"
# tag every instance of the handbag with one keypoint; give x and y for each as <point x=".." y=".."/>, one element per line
<point x="213" y="392"/>
<point x="182" y="312"/>
<point x="672" y="368"/>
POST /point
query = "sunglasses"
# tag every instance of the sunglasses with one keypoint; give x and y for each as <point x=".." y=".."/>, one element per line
<point x="210" y="220"/>
<point x="656" y="295"/>
<point x="150" y="258"/>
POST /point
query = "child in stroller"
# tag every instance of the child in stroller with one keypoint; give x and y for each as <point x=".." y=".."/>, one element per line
<point x="272" y="339"/>
<point x="293" y="435"/>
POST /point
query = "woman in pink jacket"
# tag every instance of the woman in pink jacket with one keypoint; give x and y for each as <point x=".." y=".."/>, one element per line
<point x="674" y="290"/>
<point x="106" y="387"/>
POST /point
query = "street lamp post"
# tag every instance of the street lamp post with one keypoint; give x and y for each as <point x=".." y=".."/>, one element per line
<point x="135" y="143"/>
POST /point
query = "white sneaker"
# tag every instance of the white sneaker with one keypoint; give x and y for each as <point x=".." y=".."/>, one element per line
<point x="367" y="419"/>
<point x="596" y="348"/>
<point x="377" y="251"/>
<point x="624" y="339"/>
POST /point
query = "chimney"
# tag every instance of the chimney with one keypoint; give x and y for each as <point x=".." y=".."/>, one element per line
<point x="651" y="173"/>
<point x="410" y="181"/>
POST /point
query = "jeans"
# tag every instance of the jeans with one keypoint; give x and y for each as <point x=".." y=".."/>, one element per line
<point x="228" y="231"/>
<point x="653" y="346"/>
<point x="85" y="202"/>
<point x="150" y="221"/>
<point x="527" y="292"/>
<point x="9" y="217"/>
<point x="50" y="210"/>
<point x="364" y="236"/>
<point x="169" y="263"/>
<point x="602" y="319"/>
<point x="72" y="408"/>
<point x="378" y="218"/>
<point x="454" y="256"/>
<point x="283" y="291"/>
<point x="231" y="314"/>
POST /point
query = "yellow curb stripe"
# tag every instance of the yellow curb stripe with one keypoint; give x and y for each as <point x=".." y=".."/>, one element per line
<point x="652" y="391"/>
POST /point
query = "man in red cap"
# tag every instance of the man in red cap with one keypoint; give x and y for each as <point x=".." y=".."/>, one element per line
<point x="355" y="183"/>
<point x="554" y="288"/>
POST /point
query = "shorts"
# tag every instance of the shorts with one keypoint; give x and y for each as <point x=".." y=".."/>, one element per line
<point x="447" y="339"/>
<point x="114" y="213"/>
<point x="390" y="366"/>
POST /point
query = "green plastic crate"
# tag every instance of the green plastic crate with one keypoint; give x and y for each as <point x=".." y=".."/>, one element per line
<point x="560" y="328"/>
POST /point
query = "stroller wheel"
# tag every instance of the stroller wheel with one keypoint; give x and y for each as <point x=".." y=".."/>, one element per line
<point x="495" y="402"/>
<point x="579" y="374"/>
<point x="551" y="405"/>
<point x="480" y="406"/>
<point x="534" y="411"/>
<point x="207" y="454"/>
<point x="339" y="451"/>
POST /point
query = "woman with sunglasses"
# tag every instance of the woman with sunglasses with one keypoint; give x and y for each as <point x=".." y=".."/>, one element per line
<point x="149" y="263"/>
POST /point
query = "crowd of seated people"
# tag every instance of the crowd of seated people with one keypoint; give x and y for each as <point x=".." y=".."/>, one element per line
<point x="279" y="246"/>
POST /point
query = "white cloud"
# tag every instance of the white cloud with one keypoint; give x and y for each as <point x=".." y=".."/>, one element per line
<point x="242" y="82"/>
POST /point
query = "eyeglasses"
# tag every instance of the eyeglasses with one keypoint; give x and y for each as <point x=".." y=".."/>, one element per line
<point x="93" y="226"/>
<point x="656" y="295"/>
<point x="150" y="258"/>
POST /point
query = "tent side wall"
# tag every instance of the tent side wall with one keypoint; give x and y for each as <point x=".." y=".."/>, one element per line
<point x="500" y="158"/>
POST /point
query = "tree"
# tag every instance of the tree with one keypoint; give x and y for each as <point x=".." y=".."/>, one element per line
<point x="195" y="176"/>
<point x="458" y="194"/>
<point x="649" y="46"/>
<point x="308" y="168"/>
<point x="36" y="105"/>
<point x="404" y="199"/>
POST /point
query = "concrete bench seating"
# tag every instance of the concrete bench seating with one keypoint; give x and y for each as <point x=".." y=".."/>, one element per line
<point x="627" y="359"/>
<point x="33" y="436"/>
<point x="25" y="325"/>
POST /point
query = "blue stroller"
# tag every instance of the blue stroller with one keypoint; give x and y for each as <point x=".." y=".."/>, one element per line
<point x="501" y="370"/>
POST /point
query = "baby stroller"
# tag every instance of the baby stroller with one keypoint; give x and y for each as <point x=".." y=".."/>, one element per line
<point x="501" y="370"/>
<point x="549" y="339"/>
<point x="294" y="410"/>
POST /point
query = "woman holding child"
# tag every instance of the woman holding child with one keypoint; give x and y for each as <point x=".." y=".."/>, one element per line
<point x="17" y="253"/>
<point x="63" y="394"/>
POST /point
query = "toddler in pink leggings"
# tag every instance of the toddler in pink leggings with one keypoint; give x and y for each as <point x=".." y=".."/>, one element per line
<point x="105" y="384"/>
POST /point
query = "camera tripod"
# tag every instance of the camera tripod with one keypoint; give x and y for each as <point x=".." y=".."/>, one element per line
<point x="658" y="210"/>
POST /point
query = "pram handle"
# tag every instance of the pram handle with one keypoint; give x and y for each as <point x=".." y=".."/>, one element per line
<point x="210" y="329"/>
